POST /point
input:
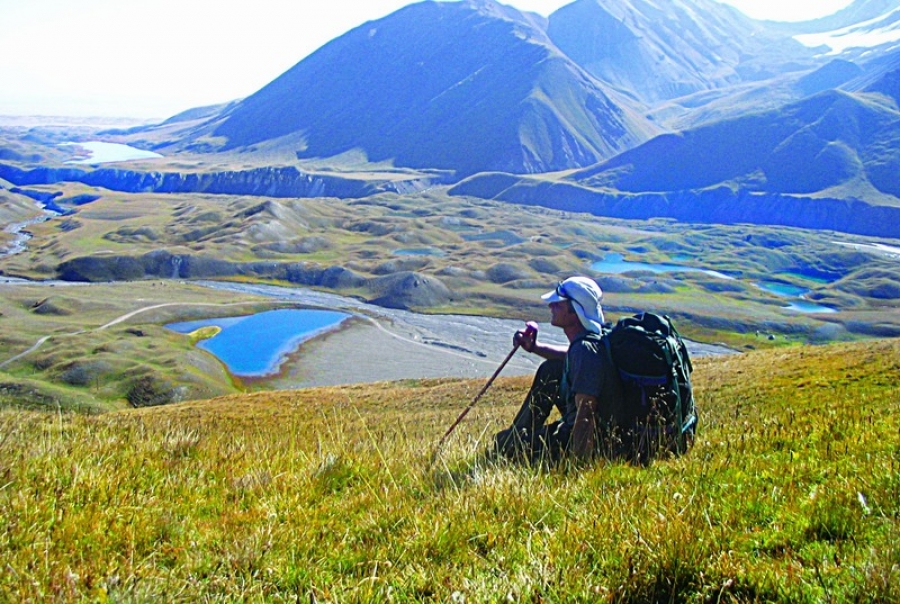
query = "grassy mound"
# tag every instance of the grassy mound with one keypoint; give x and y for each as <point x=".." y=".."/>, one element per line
<point x="792" y="493"/>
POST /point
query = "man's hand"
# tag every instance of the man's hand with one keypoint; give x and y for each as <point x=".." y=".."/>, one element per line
<point x="526" y="338"/>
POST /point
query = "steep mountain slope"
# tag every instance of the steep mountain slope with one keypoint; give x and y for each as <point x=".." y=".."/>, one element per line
<point x="858" y="11"/>
<point x="885" y="80"/>
<point x="467" y="86"/>
<point x="663" y="49"/>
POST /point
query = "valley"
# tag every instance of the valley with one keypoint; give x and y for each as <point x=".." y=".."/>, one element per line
<point x="440" y="255"/>
<point x="230" y="340"/>
<point x="468" y="157"/>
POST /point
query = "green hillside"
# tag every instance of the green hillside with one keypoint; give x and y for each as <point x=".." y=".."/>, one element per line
<point x="834" y="143"/>
<point x="792" y="494"/>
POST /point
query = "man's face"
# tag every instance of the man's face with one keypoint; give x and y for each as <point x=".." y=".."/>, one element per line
<point x="562" y="314"/>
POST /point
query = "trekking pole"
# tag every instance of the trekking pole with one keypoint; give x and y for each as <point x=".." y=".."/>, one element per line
<point x="530" y="328"/>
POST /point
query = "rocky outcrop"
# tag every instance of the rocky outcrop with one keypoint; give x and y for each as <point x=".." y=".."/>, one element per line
<point x="268" y="181"/>
<point x="721" y="205"/>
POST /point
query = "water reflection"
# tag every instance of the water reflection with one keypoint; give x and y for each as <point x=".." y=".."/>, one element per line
<point x="103" y="153"/>
<point x="788" y="290"/>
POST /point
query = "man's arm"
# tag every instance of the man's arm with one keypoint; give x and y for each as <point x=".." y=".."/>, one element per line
<point x="585" y="424"/>
<point x="549" y="351"/>
<point x="528" y="342"/>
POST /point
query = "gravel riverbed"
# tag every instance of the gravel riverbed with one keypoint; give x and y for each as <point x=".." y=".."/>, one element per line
<point x="382" y="344"/>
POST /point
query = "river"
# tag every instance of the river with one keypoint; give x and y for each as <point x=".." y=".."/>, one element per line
<point x="19" y="231"/>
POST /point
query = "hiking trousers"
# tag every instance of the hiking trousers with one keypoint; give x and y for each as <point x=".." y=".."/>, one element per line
<point x="530" y="437"/>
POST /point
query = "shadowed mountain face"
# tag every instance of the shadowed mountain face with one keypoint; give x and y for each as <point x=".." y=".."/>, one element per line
<point x="828" y="162"/>
<point x="830" y="140"/>
<point x="817" y="147"/>
<point x="468" y="86"/>
<point x="887" y="82"/>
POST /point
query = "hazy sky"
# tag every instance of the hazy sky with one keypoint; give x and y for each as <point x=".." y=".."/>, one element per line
<point x="153" y="59"/>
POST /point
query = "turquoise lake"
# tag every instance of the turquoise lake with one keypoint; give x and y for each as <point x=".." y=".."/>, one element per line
<point x="809" y="307"/>
<point x="787" y="290"/>
<point x="255" y="345"/>
<point x="615" y="264"/>
<point x="782" y="289"/>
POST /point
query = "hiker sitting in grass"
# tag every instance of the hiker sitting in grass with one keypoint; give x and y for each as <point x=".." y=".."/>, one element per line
<point x="578" y="380"/>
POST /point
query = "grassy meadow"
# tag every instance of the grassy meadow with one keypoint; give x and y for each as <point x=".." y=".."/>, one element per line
<point x="102" y="347"/>
<point x="495" y="258"/>
<point x="791" y="494"/>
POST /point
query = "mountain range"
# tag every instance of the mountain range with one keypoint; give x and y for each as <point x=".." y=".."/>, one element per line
<point x="621" y="98"/>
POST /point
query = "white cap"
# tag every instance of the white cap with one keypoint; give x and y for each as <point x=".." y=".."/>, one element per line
<point x="585" y="295"/>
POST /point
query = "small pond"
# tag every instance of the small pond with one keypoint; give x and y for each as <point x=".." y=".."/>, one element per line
<point x="616" y="264"/>
<point x="419" y="251"/>
<point x="782" y="289"/>
<point x="504" y="237"/>
<point x="256" y="345"/>
<point x="788" y="290"/>
<point x="809" y="307"/>
<point x="104" y="153"/>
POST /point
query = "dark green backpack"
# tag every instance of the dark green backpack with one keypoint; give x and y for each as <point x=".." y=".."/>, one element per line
<point x="658" y="413"/>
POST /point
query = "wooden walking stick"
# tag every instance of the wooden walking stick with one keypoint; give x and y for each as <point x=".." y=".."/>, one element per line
<point x="530" y="329"/>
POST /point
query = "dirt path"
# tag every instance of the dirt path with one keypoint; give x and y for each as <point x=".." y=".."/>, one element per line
<point x="115" y="321"/>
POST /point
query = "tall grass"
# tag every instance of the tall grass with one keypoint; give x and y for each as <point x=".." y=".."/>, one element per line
<point x="791" y="494"/>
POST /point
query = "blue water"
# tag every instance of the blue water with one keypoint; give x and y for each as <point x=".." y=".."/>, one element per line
<point x="782" y="289"/>
<point x="255" y="345"/>
<point x="616" y="264"/>
<point x="809" y="307"/>
<point x="419" y="251"/>
<point x="104" y="153"/>
<point x="794" y="291"/>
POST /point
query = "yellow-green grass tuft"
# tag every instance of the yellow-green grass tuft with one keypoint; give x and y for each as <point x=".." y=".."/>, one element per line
<point x="204" y="333"/>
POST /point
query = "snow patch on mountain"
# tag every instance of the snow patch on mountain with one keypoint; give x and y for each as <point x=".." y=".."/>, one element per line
<point x="875" y="32"/>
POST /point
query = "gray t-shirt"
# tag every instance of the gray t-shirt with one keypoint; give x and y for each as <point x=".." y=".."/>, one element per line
<point x="586" y="371"/>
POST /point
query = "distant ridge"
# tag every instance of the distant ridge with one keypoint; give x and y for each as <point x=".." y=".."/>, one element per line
<point x="467" y="86"/>
<point x="833" y="139"/>
<point x="658" y="50"/>
<point x="857" y="12"/>
<point x="828" y="162"/>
